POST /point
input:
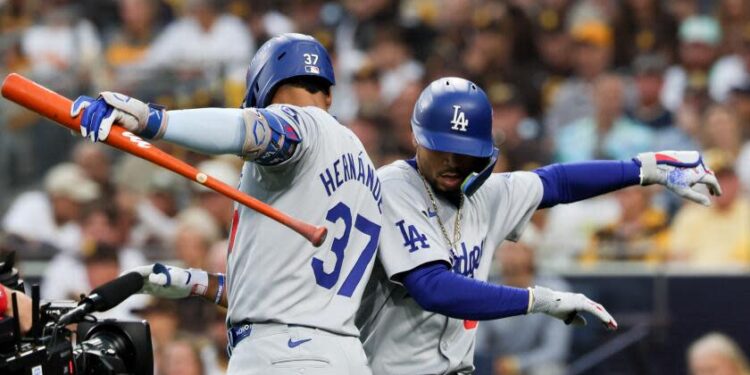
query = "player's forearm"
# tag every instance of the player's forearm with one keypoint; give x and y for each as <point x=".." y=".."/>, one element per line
<point x="207" y="130"/>
<point x="435" y="288"/>
<point x="572" y="182"/>
<point x="216" y="292"/>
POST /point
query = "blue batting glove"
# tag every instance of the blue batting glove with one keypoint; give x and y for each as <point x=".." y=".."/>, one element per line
<point x="100" y="114"/>
<point x="95" y="111"/>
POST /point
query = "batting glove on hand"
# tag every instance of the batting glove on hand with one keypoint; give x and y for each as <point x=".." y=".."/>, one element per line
<point x="678" y="171"/>
<point x="147" y="120"/>
<point x="567" y="306"/>
<point x="172" y="282"/>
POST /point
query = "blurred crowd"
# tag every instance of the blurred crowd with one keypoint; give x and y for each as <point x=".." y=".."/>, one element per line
<point x="569" y="80"/>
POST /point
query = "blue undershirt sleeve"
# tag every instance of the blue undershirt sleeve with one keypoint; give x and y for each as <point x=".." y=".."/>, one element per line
<point x="437" y="289"/>
<point x="572" y="182"/>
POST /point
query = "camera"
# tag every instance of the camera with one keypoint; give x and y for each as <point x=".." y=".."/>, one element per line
<point x="96" y="347"/>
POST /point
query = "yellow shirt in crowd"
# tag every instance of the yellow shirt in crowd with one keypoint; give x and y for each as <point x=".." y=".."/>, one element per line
<point x="705" y="236"/>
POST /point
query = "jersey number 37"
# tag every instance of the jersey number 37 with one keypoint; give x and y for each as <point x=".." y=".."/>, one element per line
<point x="328" y="279"/>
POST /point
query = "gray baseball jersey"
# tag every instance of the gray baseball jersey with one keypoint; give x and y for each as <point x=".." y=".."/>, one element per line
<point x="275" y="275"/>
<point x="398" y="335"/>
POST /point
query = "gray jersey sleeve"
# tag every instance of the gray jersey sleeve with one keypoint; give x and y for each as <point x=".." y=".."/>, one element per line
<point x="513" y="198"/>
<point x="408" y="239"/>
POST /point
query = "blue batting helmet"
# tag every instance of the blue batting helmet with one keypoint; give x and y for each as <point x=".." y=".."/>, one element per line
<point x="454" y="115"/>
<point x="282" y="57"/>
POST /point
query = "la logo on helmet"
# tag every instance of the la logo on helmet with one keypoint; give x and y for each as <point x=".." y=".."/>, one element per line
<point x="459" y="122"/>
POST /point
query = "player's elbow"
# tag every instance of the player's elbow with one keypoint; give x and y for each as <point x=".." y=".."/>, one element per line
<point x="431" y="301"/>
<point x="427" y="296"/>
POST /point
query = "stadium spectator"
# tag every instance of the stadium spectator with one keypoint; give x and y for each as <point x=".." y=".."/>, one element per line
<point x="128" y="44"/>
<point x="721" y="130"/>
<point x="64" y="48"/>
<point x="366" y="86"/>
<point x="640" y="233"/>
<point x="592" y="55"/>
<point x="392" y="55"/>
<point x="95" y="161"/>
<point x="102" y="257"/>
<point x="739" y="101"/>
<point x="527" y="345"/>
<point x="183" y="357"/>
<point x="204" y="43"/>
<point x="643" y="27"/>
<point x="715" y="236"/>
<point x="369" y="131"/>
<point x="608" y="133"/>
<point x="216" y="204"/>
<point x="15" y="15"/>
<point x="161" y="315"/>
<point x="648" y="109"/>
<point x="196" y="231"/>
<point x="733" y="16"/>
<point x="699" y="43"/>
<point x="399" y="117"/>
<point x="52" y="215"/>
<point x="732" y="69"/>
<point x="214" y="354"/>
<point x="520" y="135"/>
<point x="553" y="45"/>
<point x="716" y="353"/>
<point x="68" y="277"/>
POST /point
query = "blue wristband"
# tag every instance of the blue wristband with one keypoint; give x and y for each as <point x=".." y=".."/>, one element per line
<point x="156" y="115"/>
<point x="220" y="289"/>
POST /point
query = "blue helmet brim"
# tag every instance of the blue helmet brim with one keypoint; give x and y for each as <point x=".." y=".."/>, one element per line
<point x="453" y="143"/>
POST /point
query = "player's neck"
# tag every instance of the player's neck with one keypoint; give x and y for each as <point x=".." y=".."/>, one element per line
<point x="300" y="97"/>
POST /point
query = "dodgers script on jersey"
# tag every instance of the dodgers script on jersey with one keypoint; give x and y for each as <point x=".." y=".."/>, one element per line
<point x="275" y="275"/>
<point x="398" y="335"/>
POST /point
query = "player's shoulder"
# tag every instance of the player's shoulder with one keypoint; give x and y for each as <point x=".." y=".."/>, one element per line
<point x="401" y="178"/>
<point x="397" y="172"/>
<point x="509" y="181"/>
<point x="302" y="115"/>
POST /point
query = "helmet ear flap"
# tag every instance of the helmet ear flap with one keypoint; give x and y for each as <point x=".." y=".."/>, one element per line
<point x="475" y="180"/>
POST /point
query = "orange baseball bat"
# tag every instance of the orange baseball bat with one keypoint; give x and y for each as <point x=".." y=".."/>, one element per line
<point x="56" y="107"/>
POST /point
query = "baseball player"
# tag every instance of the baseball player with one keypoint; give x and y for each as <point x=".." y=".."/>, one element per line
<point x="444" y="214"/>
<point x="291" y="306"/>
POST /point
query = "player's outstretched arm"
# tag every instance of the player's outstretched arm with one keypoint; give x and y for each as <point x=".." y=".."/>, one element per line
<point x="678" y="171"/>
<point x="256" y="134"/>
<point x="175" y="282"/>
<point x="567" y="306"/>
<point x="437" y="289"/>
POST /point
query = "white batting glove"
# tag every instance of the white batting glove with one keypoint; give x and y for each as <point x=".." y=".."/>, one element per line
<point x="679" y="171"/>
<point x="100" y="114"/>
<point x="172" y="282"/>
<point x="567" y="306"/>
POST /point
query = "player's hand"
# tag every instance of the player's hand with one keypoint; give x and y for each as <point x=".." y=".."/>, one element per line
<point x="568" y="306"/>
<point x="679" y="171"/>
<point x="100" y="114"/>
<point x="172" y="282"/>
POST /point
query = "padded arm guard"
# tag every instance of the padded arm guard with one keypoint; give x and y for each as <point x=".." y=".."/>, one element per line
<point x="270" y="139"/>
